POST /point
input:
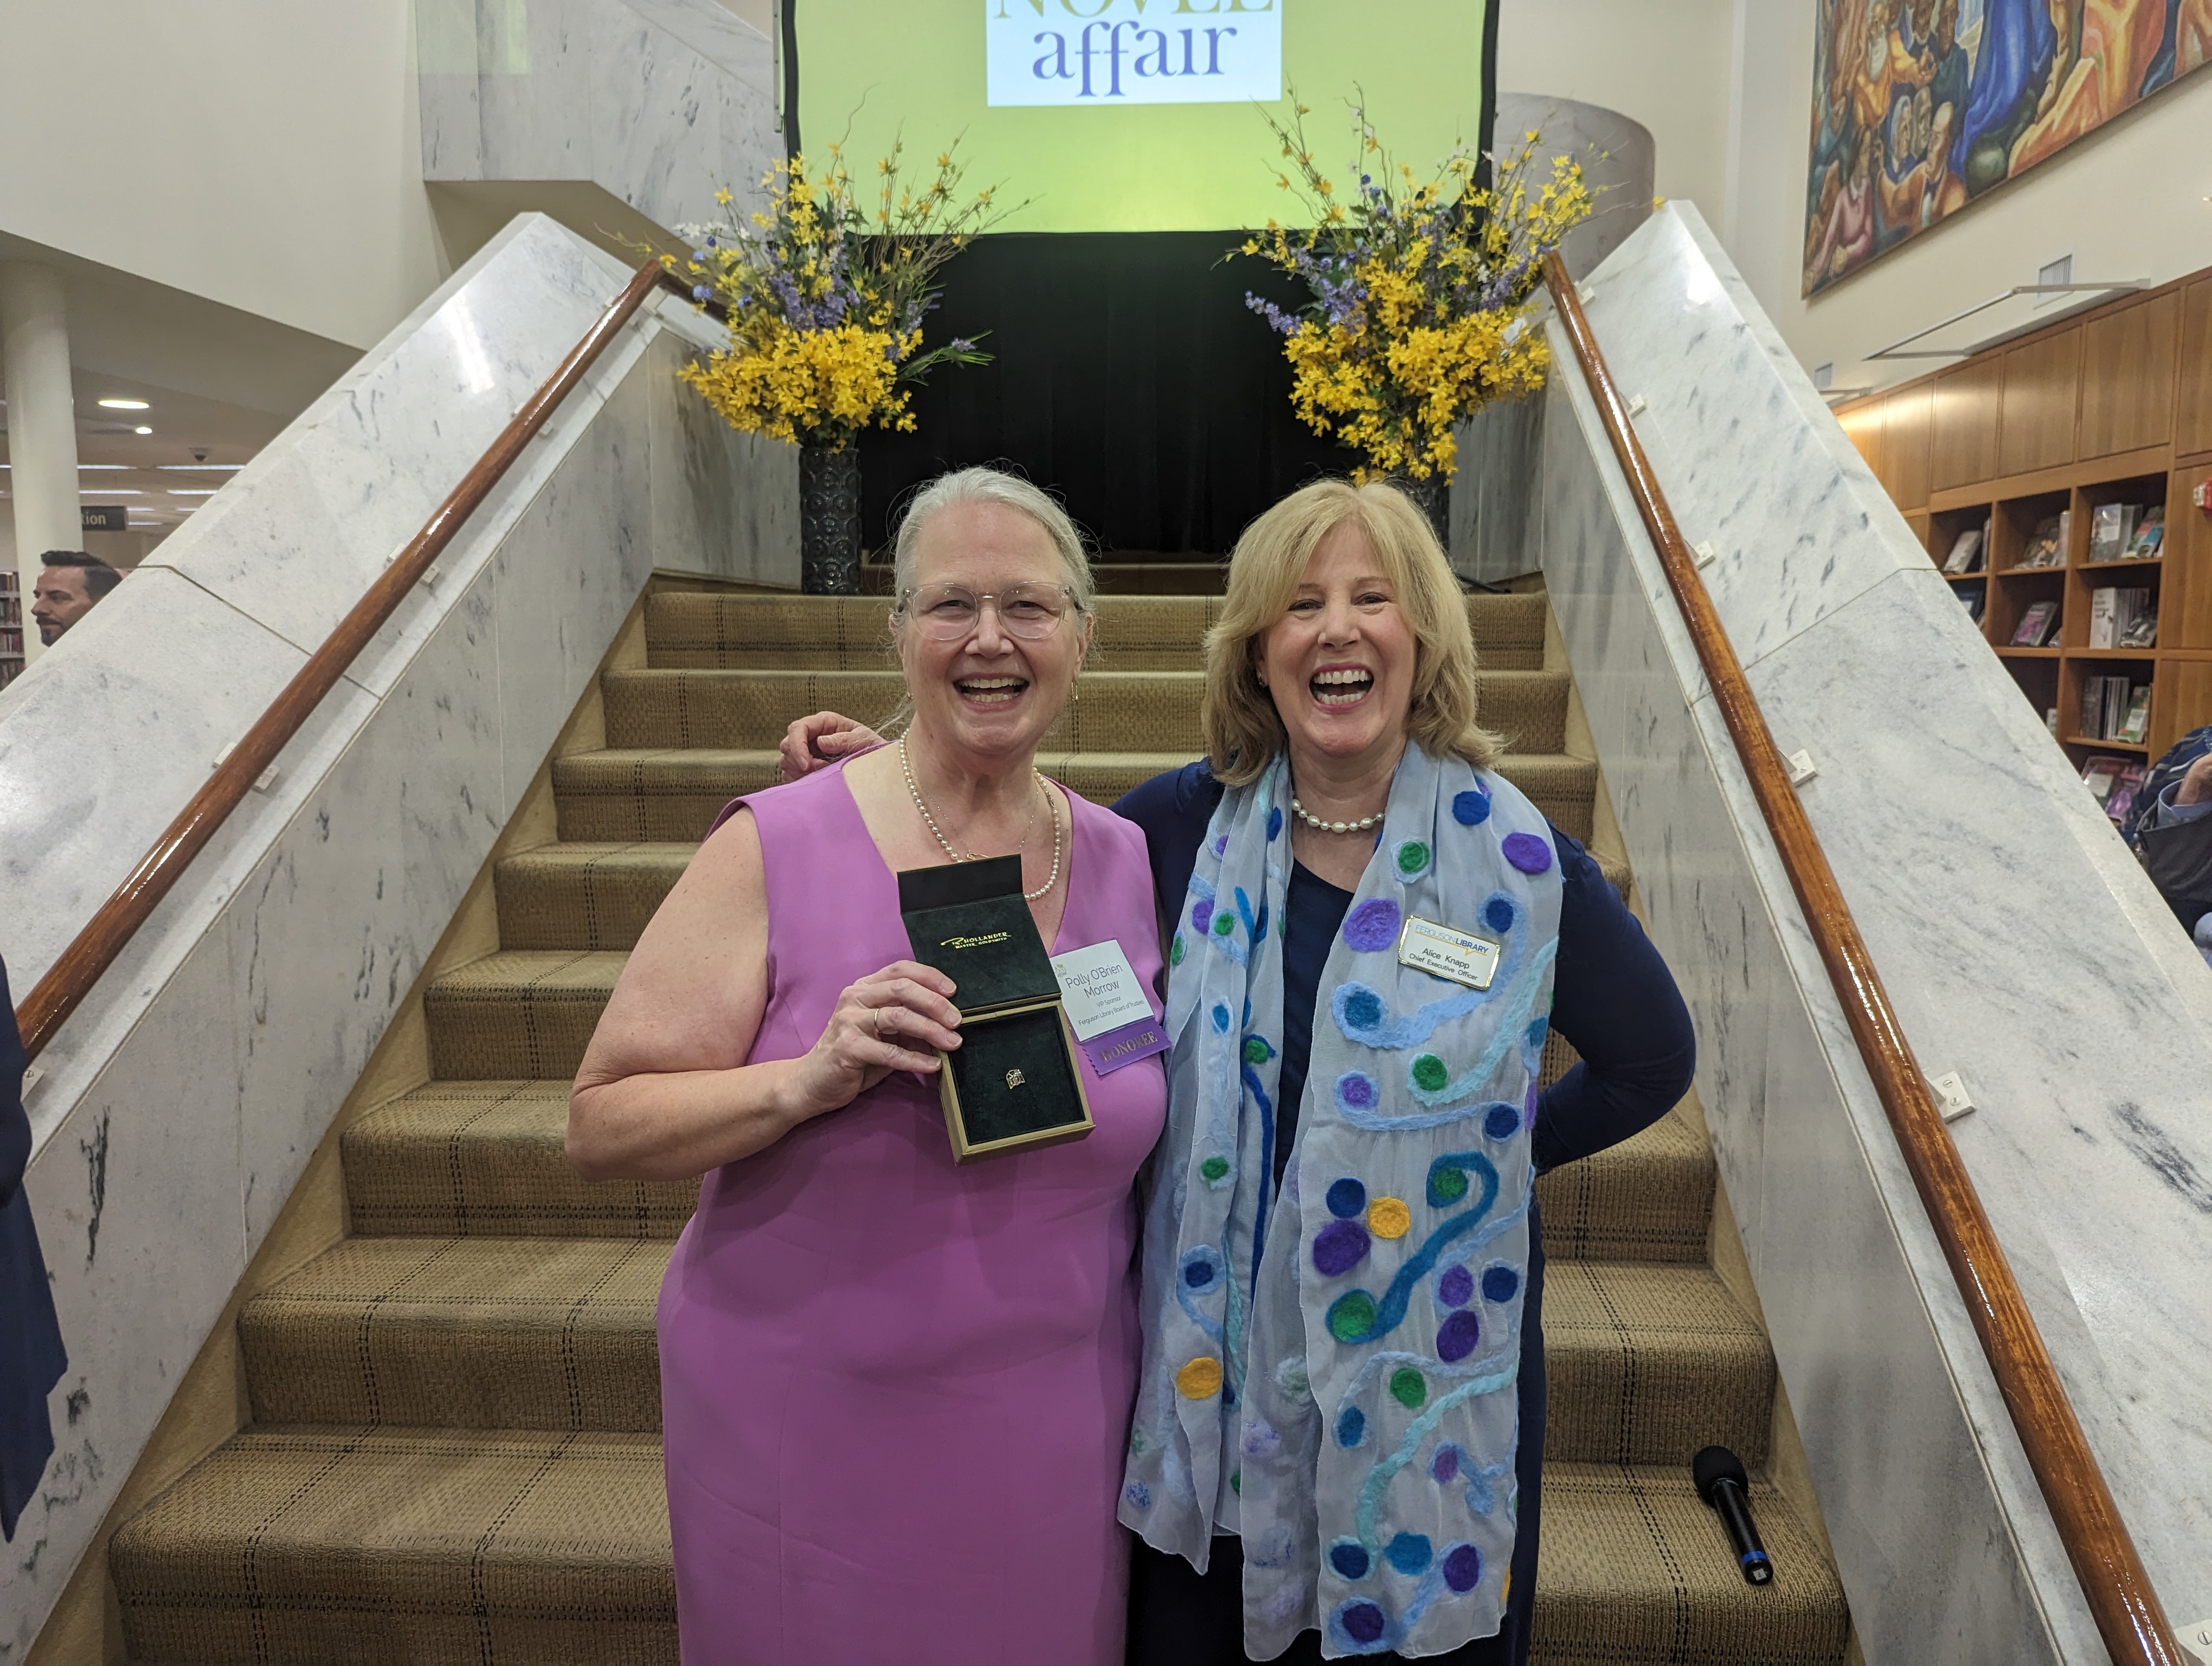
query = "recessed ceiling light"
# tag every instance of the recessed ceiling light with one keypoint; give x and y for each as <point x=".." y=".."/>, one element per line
<point x="193" y="468"/>
<point x="113" y="492"/>
<point x="125" y="404"/>
<point x="103" y="466"/>
<point x="191" y="491"/>
<point x="141" y="428"/>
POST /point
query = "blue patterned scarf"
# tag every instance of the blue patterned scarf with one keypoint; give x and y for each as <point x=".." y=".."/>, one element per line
<point x="1331" y="1372"/>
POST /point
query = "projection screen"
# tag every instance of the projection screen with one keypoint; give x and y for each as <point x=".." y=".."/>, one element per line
<point x="1136" y="115"/>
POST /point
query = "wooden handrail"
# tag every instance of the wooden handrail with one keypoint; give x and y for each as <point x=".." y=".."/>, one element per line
<point x="94" y="949"/>
<point x="2125" y="1608"/>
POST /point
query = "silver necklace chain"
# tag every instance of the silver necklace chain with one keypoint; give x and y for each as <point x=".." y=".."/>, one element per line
<point x="1321" y="826"/>
<point x="906" y="766"/>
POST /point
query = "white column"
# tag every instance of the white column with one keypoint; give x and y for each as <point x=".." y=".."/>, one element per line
<point x="41" y="423"/>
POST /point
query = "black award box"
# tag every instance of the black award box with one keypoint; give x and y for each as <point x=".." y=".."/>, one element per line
<point x="1013" y="1082"/>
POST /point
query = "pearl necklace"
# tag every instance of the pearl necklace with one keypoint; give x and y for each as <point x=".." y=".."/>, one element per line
<point x="906" y="767"/>
<point x="1321" y="826"/>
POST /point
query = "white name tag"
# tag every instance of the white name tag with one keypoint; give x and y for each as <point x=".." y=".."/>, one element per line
<point x="1444" y="952"/>
<point x="1099" y="990"/>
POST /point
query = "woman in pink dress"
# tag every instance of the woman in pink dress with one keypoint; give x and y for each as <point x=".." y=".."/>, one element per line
<point x="895" y="1391"/>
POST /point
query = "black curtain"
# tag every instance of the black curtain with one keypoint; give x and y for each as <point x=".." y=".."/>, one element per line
<point x="1128" y="375"/>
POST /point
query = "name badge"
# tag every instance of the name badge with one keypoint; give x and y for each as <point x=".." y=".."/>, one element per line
<point x="1442" y="952"/>
<point x="1107" y="1007"/>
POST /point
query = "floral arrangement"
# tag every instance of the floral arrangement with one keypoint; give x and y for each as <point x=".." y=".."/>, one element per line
<point x="826" y="298"/>
<point x="1420" y="313"/>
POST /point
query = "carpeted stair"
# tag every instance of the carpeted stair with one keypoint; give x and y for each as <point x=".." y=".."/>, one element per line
<point x="455" y="1451"/>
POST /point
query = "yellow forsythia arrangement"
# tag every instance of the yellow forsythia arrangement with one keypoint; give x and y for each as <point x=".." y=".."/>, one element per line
<point x="1420" y="313"/>
<point x="826" y="299"/>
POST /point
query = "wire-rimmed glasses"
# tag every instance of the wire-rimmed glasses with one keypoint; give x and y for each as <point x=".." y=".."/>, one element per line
<point x="951" y="612"/>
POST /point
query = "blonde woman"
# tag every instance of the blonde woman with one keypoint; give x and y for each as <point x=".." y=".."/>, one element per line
<point x="895" y="1391"/>
<point x="1338" y="1443"/>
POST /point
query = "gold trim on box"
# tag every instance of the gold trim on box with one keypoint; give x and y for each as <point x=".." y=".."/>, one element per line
<point x="948" y="1094"/>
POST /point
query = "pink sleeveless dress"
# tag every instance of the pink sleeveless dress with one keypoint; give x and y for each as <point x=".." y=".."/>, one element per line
<point x="896" y="1391"/>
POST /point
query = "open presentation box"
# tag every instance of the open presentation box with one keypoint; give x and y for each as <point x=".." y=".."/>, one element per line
<point x="1013" y="1083"/>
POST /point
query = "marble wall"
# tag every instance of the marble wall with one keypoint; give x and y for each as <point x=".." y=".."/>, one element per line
<point x="2020" y="942"/>
<point x="179" y="1105"/>
<point x="659" y="102"/>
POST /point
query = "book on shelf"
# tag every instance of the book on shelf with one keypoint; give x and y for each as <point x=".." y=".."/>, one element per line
<point x="1965" y="553"/>
<point x="2135" y="725"/>
<point x="2142" y="631"/>
<point x="2100" y="773"/>
<point x="2149" y="540"/>
<point x="2107" y="703"/>
<point x="2126" y="784"/>
<point x="2117" y="695"/>
<point x="1974" y="600"/>
<point x="2046" y="545"/>
<point x="2051" y="721"/>
<point x="2113" y="613"/>
<point x="2034" y="625"/>
<point x="2090" y="723"/>
<point x="2112" y="529"/>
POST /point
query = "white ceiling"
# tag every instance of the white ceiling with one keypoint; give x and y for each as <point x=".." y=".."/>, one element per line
<point x="161" y="477"/>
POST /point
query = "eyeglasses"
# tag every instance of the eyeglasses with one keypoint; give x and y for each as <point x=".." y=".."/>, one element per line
<point x="947" y="613"/>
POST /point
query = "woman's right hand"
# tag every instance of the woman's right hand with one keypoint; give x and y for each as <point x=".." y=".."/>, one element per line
<point x="894" y="1019"/>
<point x="820" y="740"/>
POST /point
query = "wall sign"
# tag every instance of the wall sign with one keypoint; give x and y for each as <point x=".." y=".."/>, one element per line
<point x="103" y="518"/>
<point x="1104" y="52"/>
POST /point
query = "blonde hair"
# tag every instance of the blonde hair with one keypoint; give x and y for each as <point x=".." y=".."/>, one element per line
<point x="1242" y="730"/>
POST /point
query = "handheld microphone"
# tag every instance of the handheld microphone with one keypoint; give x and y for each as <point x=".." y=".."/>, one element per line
<point x="1721" y="1482"/>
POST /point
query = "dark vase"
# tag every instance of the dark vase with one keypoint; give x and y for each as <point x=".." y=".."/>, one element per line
<point x="1432" y="497"/>
<point x="829" y="519"/>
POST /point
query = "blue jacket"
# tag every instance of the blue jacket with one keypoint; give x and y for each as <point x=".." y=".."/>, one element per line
<point x="30" y="1357"/>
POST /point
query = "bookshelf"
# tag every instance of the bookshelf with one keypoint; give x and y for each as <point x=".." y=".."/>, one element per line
<point x="2111" y="407"/>
<point x="12" y="625"/>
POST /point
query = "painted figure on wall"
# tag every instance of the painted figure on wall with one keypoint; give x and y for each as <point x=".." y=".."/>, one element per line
<point x="1921" y="106"/>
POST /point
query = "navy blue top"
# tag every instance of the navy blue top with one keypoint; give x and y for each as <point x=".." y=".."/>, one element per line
<point x="30" y="1357"/>
<point x="1612" y="998"/>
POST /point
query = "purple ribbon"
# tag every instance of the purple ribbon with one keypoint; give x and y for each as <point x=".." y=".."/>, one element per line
<point x="1132" y="1042"/>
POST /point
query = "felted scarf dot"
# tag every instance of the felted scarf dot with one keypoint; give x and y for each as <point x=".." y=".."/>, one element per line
<point x="1331" y="1372"/>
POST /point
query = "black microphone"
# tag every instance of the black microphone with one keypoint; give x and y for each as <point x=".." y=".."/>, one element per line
<point x="1721" y="1482"/>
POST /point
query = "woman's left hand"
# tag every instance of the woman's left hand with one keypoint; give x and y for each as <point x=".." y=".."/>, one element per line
<point x="819" y="739"/>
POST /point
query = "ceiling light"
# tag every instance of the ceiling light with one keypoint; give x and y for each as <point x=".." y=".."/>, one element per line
<point x="141" y="428"/>
<point x="191" y="468"/>
<point x="125" y="404"/>
<point x="113" y="492"/>
<point x="103" y="466"/>
<point x="192" y="491"/>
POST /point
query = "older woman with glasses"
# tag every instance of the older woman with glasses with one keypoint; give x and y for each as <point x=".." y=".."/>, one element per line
<point x="895" y="1391"/>
<point x="1338" y="1443"/>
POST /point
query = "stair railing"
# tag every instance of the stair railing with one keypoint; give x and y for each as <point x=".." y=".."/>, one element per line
<point x="2126" y="1609"/>
<point x="94" y="949"/>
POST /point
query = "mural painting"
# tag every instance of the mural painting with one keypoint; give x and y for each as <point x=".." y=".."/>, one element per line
<point x="1921" y="106"/>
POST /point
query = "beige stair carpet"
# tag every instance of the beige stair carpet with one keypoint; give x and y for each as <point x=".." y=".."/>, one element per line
<point x="455" y="1454"/>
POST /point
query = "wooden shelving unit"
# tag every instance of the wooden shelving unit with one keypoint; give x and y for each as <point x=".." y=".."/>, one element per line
<point x="2110" y="406"/>
<point x="12" y="626"/>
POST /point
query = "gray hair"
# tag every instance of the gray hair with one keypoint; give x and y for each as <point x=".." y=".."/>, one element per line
<point x="985" y="485"/>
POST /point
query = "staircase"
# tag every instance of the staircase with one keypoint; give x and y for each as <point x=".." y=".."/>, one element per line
<point x="455" y="1451"/>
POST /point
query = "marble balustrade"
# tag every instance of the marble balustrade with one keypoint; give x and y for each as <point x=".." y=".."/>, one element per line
<point x="2019" y="939"/>
<point x="179" y="1105"/>
<point x="657" y="102"/>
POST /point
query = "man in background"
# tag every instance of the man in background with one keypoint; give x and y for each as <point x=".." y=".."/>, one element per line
<point x="71" y="584"/>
